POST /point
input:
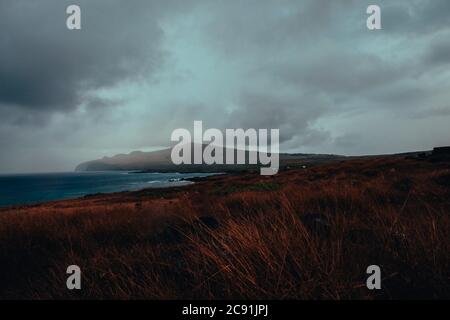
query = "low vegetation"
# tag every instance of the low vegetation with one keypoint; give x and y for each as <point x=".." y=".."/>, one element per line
<point x="302" y="234"/>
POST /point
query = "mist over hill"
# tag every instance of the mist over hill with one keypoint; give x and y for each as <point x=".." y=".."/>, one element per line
<point x="160" y="161"/>
<point x="136" y="160"/>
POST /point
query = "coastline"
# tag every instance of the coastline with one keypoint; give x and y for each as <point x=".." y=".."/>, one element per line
<point x="315" y="230"/>
<point x="170" y="183"/>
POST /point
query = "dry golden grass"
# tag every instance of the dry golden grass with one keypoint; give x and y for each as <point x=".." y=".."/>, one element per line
<point x="255" y="243"/>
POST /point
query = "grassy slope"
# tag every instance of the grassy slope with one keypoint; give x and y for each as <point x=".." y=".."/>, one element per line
<point x="150" y="244"/>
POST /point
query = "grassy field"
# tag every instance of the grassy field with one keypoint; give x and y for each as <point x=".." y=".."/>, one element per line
<point x="302" y="234"/>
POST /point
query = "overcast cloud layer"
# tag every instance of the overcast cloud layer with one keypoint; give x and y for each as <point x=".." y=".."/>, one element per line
<point x="139" y="69"/>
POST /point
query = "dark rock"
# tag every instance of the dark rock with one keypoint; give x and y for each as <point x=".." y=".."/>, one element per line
<point x="364" y="244"/>
<point x="440" y="154"/>
<point x="361" y="237"/>
<point x="170" y="235"/>
<point x="371" y="173"/>
<point x="422" y="155"/>
<point x="403" y="185"/>
<point x="441" y="151"/>
<point x="443" y="180"/>
<point x="177" y="233"/>
<point x="412" y="283"/>
<point x="316" y="224"/>
<point x="208" y="221"/>
<point x="399" y="241"/>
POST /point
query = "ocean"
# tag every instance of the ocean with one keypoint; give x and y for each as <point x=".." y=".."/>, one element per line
<point x="19" y="189"/>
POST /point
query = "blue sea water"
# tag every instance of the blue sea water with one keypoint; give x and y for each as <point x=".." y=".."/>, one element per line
<point x="18" y="189"/>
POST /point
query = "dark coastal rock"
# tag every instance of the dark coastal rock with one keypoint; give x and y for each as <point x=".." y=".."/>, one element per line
<point x="316" y="224"/>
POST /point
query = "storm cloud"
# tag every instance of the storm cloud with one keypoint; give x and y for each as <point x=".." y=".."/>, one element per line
<point x="46" y="67"/>
<point x="139" y="69"/>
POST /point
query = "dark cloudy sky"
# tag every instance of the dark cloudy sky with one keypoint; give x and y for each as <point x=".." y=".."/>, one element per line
<point x="139" y="69"/>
